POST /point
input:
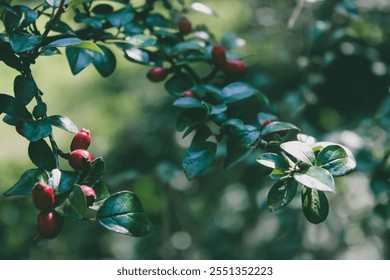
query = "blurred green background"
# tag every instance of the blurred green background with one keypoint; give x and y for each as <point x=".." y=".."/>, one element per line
<point x="324" y="67"/>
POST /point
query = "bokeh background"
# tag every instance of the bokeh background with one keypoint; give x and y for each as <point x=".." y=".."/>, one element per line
<point x="324" y="64"/>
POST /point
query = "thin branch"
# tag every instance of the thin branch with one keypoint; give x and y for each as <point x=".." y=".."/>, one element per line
<point x="295" y="14"/>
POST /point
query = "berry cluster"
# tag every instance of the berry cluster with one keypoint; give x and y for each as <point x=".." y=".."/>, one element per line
<point x="49" y="222"/>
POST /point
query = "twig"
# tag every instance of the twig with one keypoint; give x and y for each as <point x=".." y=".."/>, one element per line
<point x="295" y="14"/>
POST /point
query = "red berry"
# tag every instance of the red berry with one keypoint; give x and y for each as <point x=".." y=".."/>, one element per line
<point x="185" y="26"/>
<point x="89" y="193"/>
<point x="157" y="74"/>
<point x="189" y="94"/>
<point x="43" y="196"/>
<point x="80" y="159"/>
<point x="267" y="122"/>
<point x="81" y="140"/>
<point x="235" y="68"/>
<point x="49" y="224"/>
<point x="218" y="54"/>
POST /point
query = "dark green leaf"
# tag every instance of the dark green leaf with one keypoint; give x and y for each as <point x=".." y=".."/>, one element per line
<point x="36" y="130"/>
<point x="190" y="117"/>
<point x="102" y="9"/>
<point x="8" y="56"/>
<point x="276" y="126"/>
<point x="239" y="146"/>
<point x="26" y="182"/>
<point x="185" y="47"/>
<point x="336" y="160"/>
<point x="25" y="89"/>
<point x="141" y="40"/>
<point x="188" y="102"/>
<point x="202" y="133"/>
<point x="205" y="89"/>
<point x="22" y="42"/>
<point x="237" y="91"/>
<point x="215" y="109"/>
<point x="95" y="172"/>
<point x="179" y="83"/>
<point x="67" y="180"/>
<point x="63" y="122"/>
<point x="75" y="206"/>
<point x="231" y="41"/>
<point x="316" y="178"/>
<point x="263" y="117"/>
<point x="273" y="161"/>
<point x="315" y="205"/>
<point x="41" y="155"/>
<point x="157" y="20"/>
<point x="277" y="174"/>
<point x="101" y="190"/>
<point x="281" y="194"/>
<point x="11" y="106"/>
<point x="122" y="212"/>
<point x="66" y="42"/>
<point x="121" y="17"/>
<point x="300" y="151"/>
<point x="198" y="158"/>
<point x="104" y="63"/>
<point x="40" y="110"/>
<point x="78" y="59"/>
<point x="4" y="5"/>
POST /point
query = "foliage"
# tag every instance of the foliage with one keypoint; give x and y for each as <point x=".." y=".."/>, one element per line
<point x="211" y="114"/>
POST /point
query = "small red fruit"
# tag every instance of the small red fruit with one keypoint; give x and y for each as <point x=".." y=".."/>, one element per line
<point x="43" y="196"/>
<point x="185" y="26"/>
<point x="80" y="159"/>
<point x="89" y="193"/>
<point x="189" y="94"/>
<point x="49" y="224"/>
<point x="157" y="74"/>
<point x="218" y="54"/>
<point x="81" y="140"/>
<point x="235" y="68"/>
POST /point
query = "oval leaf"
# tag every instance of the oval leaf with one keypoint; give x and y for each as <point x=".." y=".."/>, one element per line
<point x="336" y="160"/>
<point x="25" y="89"/>
<point x="75" y="205"/>
<point x="315" y="205"/>
<point x="316" y="178"/>
<point x="300" y="151"/>
<point x="273" y="160"/>
<point x="276" y="126"/>
<point x="123" y="213"/>
<point x="35" y="131"/>
<point x="198" y="157"/>
<point x="281" y="194"/>
<point x="237" y="91"/>
<point x="187" y="102"/>
<point x="26" y="182"/>
<point x="105" y="62"/>
<point x="41" y="155"/>
<point x="178" y="83"/>
<point x="63" y="122"/>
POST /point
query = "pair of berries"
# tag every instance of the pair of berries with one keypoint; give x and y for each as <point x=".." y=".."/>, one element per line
<point x="80" y="158"/>
<point x="50" y="222"/>
<point x="232" y="68"/>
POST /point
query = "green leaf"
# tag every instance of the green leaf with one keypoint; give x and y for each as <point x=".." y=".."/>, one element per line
<point x="157" y="20"/>
<point x="13" y="107"/>
<point x="122" y="212"/>
<point x="178" y="83"/>
<point x="205" y="89"/>
<point x="36" y="130"/>
<point x="239" y="146"/>
<point x="25" y="89"/>
<point x="202" y="133"/>
<point x="63" y="122"/>
<point x="8" y="56"/>
<point x="79" y="58"/>
<point x="190" y="117"/>
<point x="75" y="205"/>
<point x="101" y="190"/>
<point x="276" y="126"/>
<point x="185" y="47"/>
<point x="188" y="102"/>
<point x="26" y="182"/>
<point x="22" y="42"/>
<point x="67" y="180"/>
<point x="198" y="158"/>
<point x="121" y="17"/>
<point x="281" y="194"/>
<point x="105" y="62"/>
<point x="41" y="155"/>
<point x="40" y="110"/>
<point x="231" y="41"/>
<point x="315" y="205"/>
<point x="277" y="174"/>
<point x="336" y="160"/>
<point x="203" y="9"/>
<point x="215" y="109"/>
<point x="237" y="91"/>
<point x="316" y="178"/>
<point x="263" y="117"/>
<point x="273" y="161"/>
<point x="95" y="172"/>
<point x="137" y="55"/>
<point x="300" y="151"/>
<point x="65" y="42"/>
<point x="141" y="40"/>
